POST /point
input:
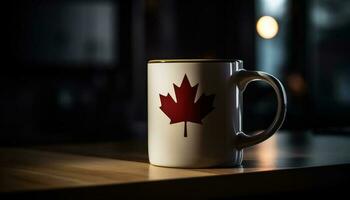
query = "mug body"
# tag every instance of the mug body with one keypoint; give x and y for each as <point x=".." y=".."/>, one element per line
<point x="194" y="113"/>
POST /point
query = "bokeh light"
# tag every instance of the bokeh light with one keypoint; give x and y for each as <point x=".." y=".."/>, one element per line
<point x="267" y="27"/>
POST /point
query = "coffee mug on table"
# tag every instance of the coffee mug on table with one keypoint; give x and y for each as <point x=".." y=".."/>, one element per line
<point x="195" y="112"/>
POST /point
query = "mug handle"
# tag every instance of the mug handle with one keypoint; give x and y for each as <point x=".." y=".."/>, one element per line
<point x="242" y="78"/>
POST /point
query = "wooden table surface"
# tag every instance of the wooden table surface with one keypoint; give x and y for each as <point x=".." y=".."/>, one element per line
<point x="285" y="162"/>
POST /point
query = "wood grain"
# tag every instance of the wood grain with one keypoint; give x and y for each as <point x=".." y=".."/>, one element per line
<point x="43" y="168"/>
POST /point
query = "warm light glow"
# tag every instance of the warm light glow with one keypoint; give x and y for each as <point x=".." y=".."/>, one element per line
<point x="267" y="27"/>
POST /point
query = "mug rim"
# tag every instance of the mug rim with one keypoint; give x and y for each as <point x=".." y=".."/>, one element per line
<point x="205" y="60"/>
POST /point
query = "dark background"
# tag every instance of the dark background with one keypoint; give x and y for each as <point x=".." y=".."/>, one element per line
<point x="75" y="71"/>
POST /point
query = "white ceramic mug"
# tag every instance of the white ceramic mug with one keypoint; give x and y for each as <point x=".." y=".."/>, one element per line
<point x="194" y="112"/>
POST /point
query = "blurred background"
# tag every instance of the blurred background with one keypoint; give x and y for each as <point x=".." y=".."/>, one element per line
<point x="75" y="70"/>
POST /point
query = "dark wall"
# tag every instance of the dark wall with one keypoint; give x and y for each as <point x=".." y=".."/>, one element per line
<point x="75" y="71"/>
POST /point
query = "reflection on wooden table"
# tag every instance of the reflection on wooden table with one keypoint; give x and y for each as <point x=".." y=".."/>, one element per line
<point x="118" y="164"/>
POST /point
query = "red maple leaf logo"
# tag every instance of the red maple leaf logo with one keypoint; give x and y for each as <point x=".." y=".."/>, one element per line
<point x="185" y="109"/>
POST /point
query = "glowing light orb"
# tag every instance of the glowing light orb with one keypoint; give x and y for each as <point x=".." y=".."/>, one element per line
<point x="267" y="27"/>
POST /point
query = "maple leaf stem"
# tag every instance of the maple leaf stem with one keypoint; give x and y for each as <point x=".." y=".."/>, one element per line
<point x="185" y="129"/>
